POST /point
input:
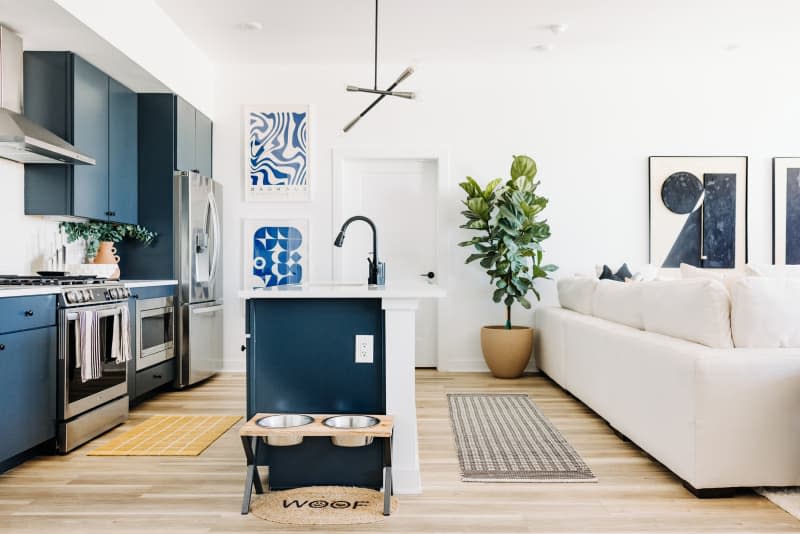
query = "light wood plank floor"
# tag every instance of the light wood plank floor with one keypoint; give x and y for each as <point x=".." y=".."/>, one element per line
<point x="83" y="494"/>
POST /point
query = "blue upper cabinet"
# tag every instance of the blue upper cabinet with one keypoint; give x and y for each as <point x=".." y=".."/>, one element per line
<point x="184" y="136"/>
<point x="82" y="104"/>
<point x="202" y="143"/>
<point x="90" y="135"/>
<point x="192" y="139"/>
<point x="123" y="163"/>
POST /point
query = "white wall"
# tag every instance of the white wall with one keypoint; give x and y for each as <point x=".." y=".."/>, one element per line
<point x="589" y="121"/>
<point x="25" y="241"/>
<point x="149" y="37"/>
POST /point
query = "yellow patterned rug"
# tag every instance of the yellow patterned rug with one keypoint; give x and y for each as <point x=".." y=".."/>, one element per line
<point x="169" y="435"/>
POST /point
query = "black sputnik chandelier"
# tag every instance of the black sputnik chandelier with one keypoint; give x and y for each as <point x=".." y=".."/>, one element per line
<point x="383" y="93"/>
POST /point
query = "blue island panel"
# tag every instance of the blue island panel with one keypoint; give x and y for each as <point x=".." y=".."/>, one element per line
<point x="300" y="359"/>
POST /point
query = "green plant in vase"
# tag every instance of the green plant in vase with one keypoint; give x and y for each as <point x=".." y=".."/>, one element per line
<point x="509" y="248"/>
<point x="95" y="232"/>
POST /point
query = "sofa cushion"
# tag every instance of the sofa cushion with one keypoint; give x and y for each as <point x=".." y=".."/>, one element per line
<point x="621" y="303"/>
<point x="781" y="271"/>
<point x="728" y="278"/>
<point x="576" y="293"/>
<point x="696" y="310"/>
<point x="765" y="312"/>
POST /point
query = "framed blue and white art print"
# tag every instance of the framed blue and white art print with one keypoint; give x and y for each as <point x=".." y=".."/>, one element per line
<point x="698" y="211"/>
<point x="275" y="252"/>
<point x="786" y="211"/>
<point x="276" y="156"/>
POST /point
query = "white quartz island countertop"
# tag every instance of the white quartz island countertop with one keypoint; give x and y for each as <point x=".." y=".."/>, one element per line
<point x="335" y="290"/>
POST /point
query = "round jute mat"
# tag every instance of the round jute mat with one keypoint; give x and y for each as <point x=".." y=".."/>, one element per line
<point x="321" y="505"/>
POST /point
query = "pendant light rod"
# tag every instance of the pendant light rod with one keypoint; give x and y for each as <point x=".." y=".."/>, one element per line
<point x="405" y="74"/>
<point x="382" y="93"/>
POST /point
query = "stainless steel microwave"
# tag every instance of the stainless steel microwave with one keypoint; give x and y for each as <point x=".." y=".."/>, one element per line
<point x="155" y="331"/>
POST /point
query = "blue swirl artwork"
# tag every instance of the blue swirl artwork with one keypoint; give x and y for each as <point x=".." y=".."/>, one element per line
<point x="276" y="255"/>
<point x="278" y="151"/>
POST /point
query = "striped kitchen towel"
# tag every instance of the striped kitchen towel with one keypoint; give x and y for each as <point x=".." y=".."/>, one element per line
<point x="87" y="346"/>
<point x="121" y="337"/>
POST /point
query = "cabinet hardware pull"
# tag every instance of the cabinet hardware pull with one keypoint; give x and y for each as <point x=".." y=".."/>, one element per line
<point x="244" y="348"/>
<point x="28" y="313"/>
<point x="157" y="377"/>
<point x="2" y="347"/>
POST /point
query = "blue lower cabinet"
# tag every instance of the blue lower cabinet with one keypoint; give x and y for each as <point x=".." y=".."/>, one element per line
<point x="300" y="359"/>
<point x="27" y="390"/>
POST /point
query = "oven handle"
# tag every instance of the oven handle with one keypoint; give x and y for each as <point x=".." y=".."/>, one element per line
<point x="209" y="309"/>
<point x="109" y="312"/>
<point x="153" y="312"/>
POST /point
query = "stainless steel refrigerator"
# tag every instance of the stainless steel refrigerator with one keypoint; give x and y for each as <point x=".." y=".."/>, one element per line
<point x="198" y="262"/>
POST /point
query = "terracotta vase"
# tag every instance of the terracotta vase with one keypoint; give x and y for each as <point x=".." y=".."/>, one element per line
<point x="507" y="352"/>
<point x="106" y="253"/>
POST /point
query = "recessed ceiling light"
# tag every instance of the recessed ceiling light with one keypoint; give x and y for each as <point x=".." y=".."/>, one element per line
<point x="253" y="26"/>
<point x="546" y="47"/>
<point x="557" y="28"/>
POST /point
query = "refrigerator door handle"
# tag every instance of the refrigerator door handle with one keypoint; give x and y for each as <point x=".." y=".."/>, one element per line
<point x="212" y="202"/>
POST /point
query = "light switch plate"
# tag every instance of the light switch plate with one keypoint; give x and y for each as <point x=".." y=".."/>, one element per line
<point x="364" y="346"/>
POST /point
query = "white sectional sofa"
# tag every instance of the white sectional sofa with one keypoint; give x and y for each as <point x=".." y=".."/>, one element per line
<point x="719" y="407"/>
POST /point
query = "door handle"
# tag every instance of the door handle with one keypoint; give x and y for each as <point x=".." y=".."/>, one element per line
<point x="430" y="275"/>
<point x="212" y="203"/>
<point x="209" y="309"/>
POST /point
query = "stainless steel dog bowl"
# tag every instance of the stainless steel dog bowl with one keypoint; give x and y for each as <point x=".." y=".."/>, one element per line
<point x="351" y="422"/>
<point x="284" y="421"/>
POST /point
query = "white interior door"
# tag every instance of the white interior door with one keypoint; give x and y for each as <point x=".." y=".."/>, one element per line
<point x="400" y="196"/>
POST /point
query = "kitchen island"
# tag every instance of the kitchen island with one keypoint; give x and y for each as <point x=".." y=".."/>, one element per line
<point x="301" y="357"/>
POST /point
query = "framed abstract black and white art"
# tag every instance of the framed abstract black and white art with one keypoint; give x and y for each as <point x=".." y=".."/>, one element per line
<point x="698" y="211"/>
<point x="786" y="211"/>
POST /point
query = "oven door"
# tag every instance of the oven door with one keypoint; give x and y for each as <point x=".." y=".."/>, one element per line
<point x="155" y="331"/>
<point x="76" y="396"/>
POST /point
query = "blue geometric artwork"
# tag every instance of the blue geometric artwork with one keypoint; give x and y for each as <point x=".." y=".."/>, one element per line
<point x="786" y="211"/>
<point x="276" y="253"/>
<point x="277" y="154"/>
<point x="698" y="211"/>
<point x="792" y="216"/>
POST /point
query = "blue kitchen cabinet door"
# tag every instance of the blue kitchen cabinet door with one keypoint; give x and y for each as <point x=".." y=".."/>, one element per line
<point x="27" y="390"/>
<point x="184" y="136"/>
<point x="90" y="135"/>
<point x="123" y="154"/>
<point x="202" y="144"/>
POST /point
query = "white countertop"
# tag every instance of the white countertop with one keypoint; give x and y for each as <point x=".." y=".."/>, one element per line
<point x="29" y="291"/>
<point x="333" y="290"/>
<point x="148" y="283"/>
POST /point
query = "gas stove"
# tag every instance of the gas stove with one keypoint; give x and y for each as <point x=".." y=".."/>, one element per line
<point x="75" y="290"/>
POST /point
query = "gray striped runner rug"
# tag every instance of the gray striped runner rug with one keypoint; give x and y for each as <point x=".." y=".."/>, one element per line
<point x="505" y="438"/>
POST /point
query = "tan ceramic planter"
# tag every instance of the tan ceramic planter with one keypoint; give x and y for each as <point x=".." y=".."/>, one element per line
<point x="507" y="352"/>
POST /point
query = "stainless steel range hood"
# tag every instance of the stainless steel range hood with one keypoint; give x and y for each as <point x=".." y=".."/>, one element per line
<point x="21" y="139"/>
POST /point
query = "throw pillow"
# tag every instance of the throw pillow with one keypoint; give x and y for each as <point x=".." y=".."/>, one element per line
<point x="622" y="274"/>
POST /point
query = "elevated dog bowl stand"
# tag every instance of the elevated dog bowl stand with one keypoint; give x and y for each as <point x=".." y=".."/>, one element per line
<point x="253" y="435"/>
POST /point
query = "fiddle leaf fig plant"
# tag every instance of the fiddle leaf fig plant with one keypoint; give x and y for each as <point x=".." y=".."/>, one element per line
<point x="93" y="232"/>
<point x="510" y="233"/>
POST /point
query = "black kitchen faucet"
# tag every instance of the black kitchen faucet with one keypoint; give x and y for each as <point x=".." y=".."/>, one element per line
<point x="377" y="269"/>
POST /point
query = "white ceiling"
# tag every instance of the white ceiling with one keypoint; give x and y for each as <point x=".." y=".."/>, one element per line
<point x="44" y="25"/>
<point x="341" y="31"/>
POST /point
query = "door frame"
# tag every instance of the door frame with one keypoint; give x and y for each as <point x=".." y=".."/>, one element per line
<point x="441" y="156"/>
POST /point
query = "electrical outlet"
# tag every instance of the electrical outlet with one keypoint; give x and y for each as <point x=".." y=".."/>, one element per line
<point x="364" y="345"/>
